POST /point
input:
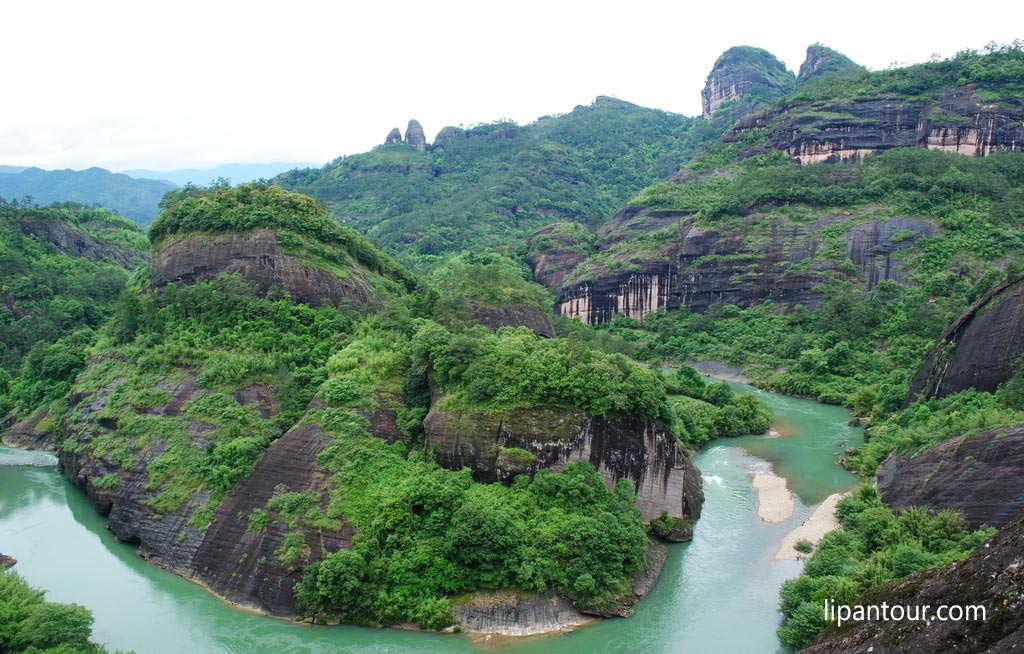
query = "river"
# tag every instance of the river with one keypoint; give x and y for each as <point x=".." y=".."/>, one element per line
<point x="718" y="594"/>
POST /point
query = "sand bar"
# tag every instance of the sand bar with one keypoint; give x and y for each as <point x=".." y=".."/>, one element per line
<point x="774" y="501"/>
<point x="822" y="521"/>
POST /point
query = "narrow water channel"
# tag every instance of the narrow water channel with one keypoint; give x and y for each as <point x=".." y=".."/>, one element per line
<point x="717" y="594"/>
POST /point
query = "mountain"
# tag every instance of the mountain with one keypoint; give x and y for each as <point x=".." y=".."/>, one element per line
<point x="490" y="186"/>
<point x="133" y="198"/>
<point x="278" y="405"/>
<point x="744" y="78"/>
<point x="62" y="268"/>
<point x="12" y="169"/>
<point x="238" y="173"/>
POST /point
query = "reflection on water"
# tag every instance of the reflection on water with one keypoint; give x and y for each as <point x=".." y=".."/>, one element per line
<point x="718" y="593"/>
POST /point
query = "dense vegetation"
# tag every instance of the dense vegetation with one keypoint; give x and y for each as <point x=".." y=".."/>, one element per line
<point x="492" y="185"/>
<point x="134" y="198"/>
<point x="31" y="625"/>
<point x="52" y="301"/>
<point x="873" y="546"/>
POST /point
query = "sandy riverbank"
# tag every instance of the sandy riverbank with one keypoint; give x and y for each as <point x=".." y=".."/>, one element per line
<point x="822" y="521"/>
<point x="774" y="501"/>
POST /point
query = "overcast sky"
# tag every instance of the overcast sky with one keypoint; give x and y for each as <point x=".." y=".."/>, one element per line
<point x="193" y="84"/>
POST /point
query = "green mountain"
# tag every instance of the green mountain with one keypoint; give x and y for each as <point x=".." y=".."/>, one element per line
<point x="238" y="173"/>
<point x="62" y="268"/>
<point x="133" y="198"/>
<point x="490" y="186"/>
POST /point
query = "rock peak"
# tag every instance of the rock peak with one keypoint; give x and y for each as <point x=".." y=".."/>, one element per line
<point x="748" y="75"/>
<point x="414" y="135"/>
<point x="394" y="136"/>
<point x="822" y="60"/>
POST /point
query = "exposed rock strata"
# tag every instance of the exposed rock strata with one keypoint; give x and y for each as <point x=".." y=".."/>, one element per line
<point x="228" y="558"/>
<point x="846" y="130"/>
<point x="745" y="73"/>
<point x="509" y="613"/>
<point x="992" y="576"/>
<point x="702" y="267"/>
<point x="515" y="315"/>
<point x="259" y="258"/>
<point x="981" y="475"/>
<point x="617" y="445"/>
<point x="821" y="61"/>
<point x="34" y="432"/>
<point x="979" y="349"/>
<point x="74" y="242"/>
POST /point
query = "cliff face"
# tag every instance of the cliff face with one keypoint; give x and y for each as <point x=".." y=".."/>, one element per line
<point x="823" y="61"/>
<point x="229" y="557"/>
<point x="515" y="315"/>
<point x="74" y="242"/>
<point x="981" y="475"/>
<point x="845" y="130"/>
<point x="979" y="349"/>
<point x="499" y="446"/>
<point x="992" y="577"/>
<point x="258" y="257"/>
<point x="702" y="266"/>
<point x="745" y="75"/>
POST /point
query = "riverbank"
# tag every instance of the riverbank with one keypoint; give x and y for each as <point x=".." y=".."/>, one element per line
<point x="822" y="521"/>
<point x="719" y="370"/>
<point x="774" y="501"/>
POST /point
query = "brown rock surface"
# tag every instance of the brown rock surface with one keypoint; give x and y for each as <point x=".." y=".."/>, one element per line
<point x="617" y="445"/>
<point x="979" y="349"/>
<point x="993" y="576"/>
<point x="414" y="135"/>
<point x="34" y="432"/>
<point x="981" y="475"/>
<point x="74" y="242"/>
<point x="257" y="257"/>
<point x="515" y="315"/>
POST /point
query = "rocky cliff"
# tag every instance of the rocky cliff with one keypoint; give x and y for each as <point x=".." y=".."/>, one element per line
<point x="259" y="257"/>
<point x="498" y="446"/>
<point x="747" y="77"/>
<point x="72" y="241"/>
<point x="822" y="61"/>
<point x="960" y="120"/>
<point x="764" y="258"/>
<point x="230" y="557"/>
<point x="979" y="349"/>
<point x="414" y="135"/>
<point x="991" y="577"/>
<point x="981" y="475"/>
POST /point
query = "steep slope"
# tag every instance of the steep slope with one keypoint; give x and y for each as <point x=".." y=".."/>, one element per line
<point x="491" y="184"/>
<point x="267" y="439"/>
<point x="743" y="78"/>
<point x="991" y="577"/>
<point x="821" y="61"/>
<point x="61" y="270"/>
<point x="130" y="197"/>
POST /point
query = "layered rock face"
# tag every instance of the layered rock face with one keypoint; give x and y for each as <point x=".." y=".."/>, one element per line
<point x="231" y="559"/>
<point x="76" y="243"/>
<point x="702" y="267"/>
<point x="847" y="130"/>
<point x="499" y="446"/>
<point x="981" y="475"/>
<point x="515" y="315"/>
<point x="979" y="349"/>
<point x="746" y="74"/>
<point x="992" y="576"/>
<point x="259" y="258"/>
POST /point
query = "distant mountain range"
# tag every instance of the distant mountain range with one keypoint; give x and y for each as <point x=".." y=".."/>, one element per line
<point x="130" y="197"/>
<point x="237" y="173"/>
<point x="134" y="194"/>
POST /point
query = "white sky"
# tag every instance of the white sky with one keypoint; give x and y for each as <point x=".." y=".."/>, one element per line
<point x="194" y="84"/>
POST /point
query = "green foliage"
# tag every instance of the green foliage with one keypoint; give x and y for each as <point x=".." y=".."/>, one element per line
<point x="872" y="547"/>
<point x="721" y="413"/>
<point x="30" y="624"/>
<point x="54" y="301"/>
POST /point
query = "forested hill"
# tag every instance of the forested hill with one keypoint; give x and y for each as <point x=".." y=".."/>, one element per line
<point x="130" y="197"/>
<point x="62" y="268"/>
<point x="492" y="185"/>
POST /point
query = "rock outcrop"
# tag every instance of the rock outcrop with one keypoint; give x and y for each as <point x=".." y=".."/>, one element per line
<point x="979" y="349"/>
<point x="515" y="315"/>
<point x="499" y="446"/>
<point x="981" y="475"/>
<point x="72" y="241"/>
<point x="414" y="135"/>
<point x="555" y="250"/>
<point x="6" y="561"/>
<point x="847" y="130"/>
<point x="508" y="613"/>
<point x="992" y="577"/>
<point x="394" y="136"/>
<point x="258" y="257"/>
<point x="746" y="76"/>
<point x="33" y="432"/>
<point x="821" y="61"/>
<point x="230" y="557"/>
<point x="766" y="259"/>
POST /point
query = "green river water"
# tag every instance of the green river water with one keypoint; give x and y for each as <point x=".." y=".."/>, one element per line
<point x="717" y="594"/>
